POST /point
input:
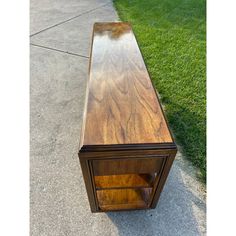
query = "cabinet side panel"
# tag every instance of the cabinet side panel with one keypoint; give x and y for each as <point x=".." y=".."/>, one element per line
<point x="163" y="178"/>
<point x="88" y="182"/>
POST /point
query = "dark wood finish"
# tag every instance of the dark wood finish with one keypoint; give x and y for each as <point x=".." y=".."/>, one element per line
<point x="127" y="166"/>
<point x="159" y="186"/>
<point x="126" y="148"/>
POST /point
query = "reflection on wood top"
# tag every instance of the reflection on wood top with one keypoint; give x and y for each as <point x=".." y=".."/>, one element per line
<point x="121" y="104"/>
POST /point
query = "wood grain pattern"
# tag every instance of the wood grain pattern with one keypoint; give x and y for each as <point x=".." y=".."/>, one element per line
<point x="123" y="199"/>
<point x="124" y="181"/>
<point x="121" y="105"/>
<point x="128" y="166"/>
<point x="87" y="159"/>
<point x="126" y="148"/>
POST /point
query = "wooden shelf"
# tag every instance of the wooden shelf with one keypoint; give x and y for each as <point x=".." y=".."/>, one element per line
<point x="124" y="181"/>
<point x="116" y="199"/>
<point x="124" y="137"/>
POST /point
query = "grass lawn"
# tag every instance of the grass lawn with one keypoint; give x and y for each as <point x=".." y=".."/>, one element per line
<point x="172" y="37"/>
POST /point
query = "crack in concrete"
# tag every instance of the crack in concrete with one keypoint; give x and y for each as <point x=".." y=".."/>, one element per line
<point x="58" y="50"/>
<point x="72" y="18"/>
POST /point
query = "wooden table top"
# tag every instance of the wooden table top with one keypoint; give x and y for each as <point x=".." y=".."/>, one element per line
<point x="121" y="104"/>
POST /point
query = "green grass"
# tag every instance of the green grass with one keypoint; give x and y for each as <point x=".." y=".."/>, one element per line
<point x="172" y="37"/>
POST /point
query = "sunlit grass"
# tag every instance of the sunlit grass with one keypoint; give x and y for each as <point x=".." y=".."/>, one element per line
<point x="172" y="38"/>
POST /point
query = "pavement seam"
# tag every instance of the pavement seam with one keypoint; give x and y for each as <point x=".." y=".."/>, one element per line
<point x="58" y="50"/>
<point x="72" y="18"/>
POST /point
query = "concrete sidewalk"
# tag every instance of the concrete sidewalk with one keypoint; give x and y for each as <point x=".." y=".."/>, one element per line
<point x="60" y="40"/>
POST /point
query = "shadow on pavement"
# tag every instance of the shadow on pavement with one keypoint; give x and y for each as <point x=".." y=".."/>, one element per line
<point x="174" y="214"/>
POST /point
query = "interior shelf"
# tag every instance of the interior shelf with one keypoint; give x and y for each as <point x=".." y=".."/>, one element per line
<point x="126" y="191"/>
<point x="115" y="199"/>
<point x="124" y="181"/>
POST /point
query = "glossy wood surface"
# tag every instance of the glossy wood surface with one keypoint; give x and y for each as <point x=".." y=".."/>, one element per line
<point x="126" y="148"/>
<point x="121" y="104"/>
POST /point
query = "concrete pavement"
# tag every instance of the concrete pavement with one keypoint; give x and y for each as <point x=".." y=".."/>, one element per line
<point x="60" y="40"/>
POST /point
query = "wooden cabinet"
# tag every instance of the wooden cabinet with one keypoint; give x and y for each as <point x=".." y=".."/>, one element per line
<point x="126" y="148"/>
